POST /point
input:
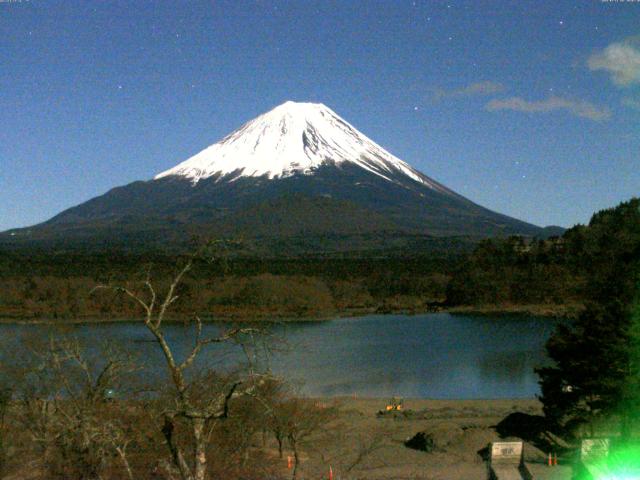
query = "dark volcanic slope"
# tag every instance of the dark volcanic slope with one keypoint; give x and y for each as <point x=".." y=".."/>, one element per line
<point x="296" y="171"/>
<point x="336" y="200"/>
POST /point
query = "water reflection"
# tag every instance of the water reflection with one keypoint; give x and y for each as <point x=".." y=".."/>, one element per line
<point x="428" y="356"/>
<point x="505" y="366"/>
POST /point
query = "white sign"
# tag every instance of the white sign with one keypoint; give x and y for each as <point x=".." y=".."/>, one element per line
<point x="506" y="451"/>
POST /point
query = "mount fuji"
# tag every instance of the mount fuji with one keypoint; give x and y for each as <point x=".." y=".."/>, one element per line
<point x="294" y="138"/>
<point x="296" y="173"/>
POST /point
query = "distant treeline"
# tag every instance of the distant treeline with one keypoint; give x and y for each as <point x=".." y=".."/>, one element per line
<point x="59" y="286"/>
<point x="553" y="271"/>
<point x="515" y="271"/>
<point x="499" y="274"/>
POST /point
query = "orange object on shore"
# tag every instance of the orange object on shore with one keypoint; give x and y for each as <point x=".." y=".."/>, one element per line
<point x="330" y="473"/>
<point x="394" y="404"/>
<point x="289" y="462"/>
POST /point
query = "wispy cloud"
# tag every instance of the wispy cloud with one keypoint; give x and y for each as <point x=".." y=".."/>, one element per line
<point x="631" y="103"/>
<point x="473" y="89"/>
<point x="621" y="60"/>
<point x="578" y="108"/>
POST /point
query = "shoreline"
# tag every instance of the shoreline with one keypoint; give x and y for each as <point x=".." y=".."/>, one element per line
<point x="543" y="310"/>
<point x="414" y="402"/>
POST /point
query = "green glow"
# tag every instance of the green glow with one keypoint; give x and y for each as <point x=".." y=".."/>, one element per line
<point x="621" y="464"/>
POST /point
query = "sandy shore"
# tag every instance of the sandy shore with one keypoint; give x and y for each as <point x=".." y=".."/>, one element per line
<point x="361" y="445"/>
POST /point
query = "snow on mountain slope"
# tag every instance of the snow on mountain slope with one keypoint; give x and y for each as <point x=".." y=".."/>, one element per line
<point x="294" y="138"/>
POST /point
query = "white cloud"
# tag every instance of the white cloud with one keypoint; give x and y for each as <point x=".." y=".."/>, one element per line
<point x="473" y="89"/>
<point x="578" y="108"/>
<point x="621" y="60"/>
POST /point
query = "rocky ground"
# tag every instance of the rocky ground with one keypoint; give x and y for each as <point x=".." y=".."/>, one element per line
<point x="363" y="445"/>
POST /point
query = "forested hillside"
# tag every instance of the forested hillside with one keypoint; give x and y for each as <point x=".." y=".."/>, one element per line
<point x="554" y="271"/>
<point x="514" y="274"/>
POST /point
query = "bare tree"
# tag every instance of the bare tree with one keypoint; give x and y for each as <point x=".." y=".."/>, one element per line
<point x="295" y="419"/>
<point x="61" y="403"/>
<point x="5" y="399"/>
<point x="365" y="446"/>
<point x="87" y="424"/>
<point x="189" y="405"/>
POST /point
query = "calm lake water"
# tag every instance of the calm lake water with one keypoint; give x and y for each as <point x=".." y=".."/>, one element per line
<point x="439" y="355"/>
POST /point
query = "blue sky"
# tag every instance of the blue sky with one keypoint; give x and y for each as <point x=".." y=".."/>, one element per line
<point x="529" y="108"/>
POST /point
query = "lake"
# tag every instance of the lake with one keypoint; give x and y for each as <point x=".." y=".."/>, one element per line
<point x="439" y="355"/>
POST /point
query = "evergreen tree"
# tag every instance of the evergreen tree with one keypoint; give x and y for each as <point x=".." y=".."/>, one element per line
<point x="630" y="404"/>
<point x="596" y="360"/>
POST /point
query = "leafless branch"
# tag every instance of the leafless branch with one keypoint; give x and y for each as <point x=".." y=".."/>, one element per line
<point x="170" y="297"/>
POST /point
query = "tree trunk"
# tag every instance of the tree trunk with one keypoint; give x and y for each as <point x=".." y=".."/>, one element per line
<point x="200" y="460"/>
<point x="625" y="426"/>
<point x="294" y="475"/>
<point x="176" y="453"/>
<point x="279" y="439"/>
<point x="125" y="462"/>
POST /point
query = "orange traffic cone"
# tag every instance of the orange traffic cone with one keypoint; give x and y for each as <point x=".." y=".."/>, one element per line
<point x="555" y="460"/>
<point x="550" y="460"/>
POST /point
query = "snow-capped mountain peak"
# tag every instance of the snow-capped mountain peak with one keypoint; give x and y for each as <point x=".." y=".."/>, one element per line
<point x="331" y="190"/>
<point x="294" y="138"/>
